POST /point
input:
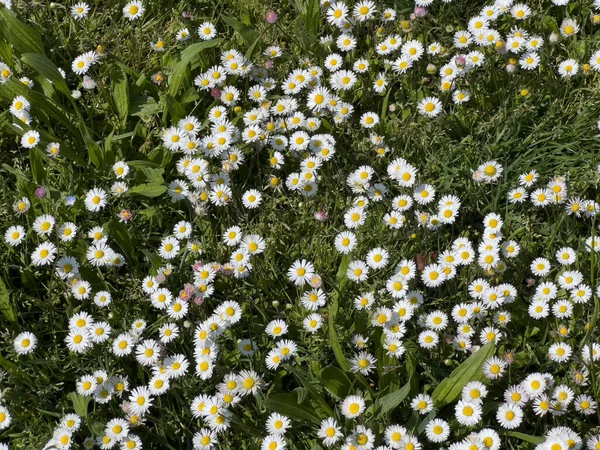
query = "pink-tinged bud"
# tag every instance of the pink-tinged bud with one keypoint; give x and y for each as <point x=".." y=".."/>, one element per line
<point x="125" y="215"/>
<point x="461" y="60"/>
<point x="269" y="64"/>
<point x="321" y="216"/>
<point x="271" y="17"/>
<point x="41" y="192"/>
<point x="420" y="11"/>
<point x="216" y="93"/>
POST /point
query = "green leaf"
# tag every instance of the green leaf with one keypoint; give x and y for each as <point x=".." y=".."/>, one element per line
<point x="187" y="56"/>
<point x="24" y="38"/>
<point x="36" y="159"/>
<point x="94" y="150"/>
<point x="6" y="54"/>
<point x="80" y="404"/>
<point x="154" y="259"/>
<point x="153" y="175"/>
<point x="122" y="238"/>
<point x="120" y="89"/>
<point x="341" y="280"/>
<point x="386" y="403"/>
<point x="148" y="190"/>
<point x="248" y="34"/>
<point x="144" y="105"/>
<point x="176" y="111"/>
<point x="256" y="44"/>
<point x="335" y="381"/>
<point x="47" y="69"/>
<point x="6" y="305"/>
<point x="526" y="437"/>
<point x="450" y="388"/>
<point x="286" y="404"/>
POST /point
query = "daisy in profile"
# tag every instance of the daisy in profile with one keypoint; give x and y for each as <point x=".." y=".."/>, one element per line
<point x="133" y="10"/>
<point x="429" y="107"/>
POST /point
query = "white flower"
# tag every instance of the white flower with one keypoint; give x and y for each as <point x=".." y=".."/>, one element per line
<point x="96" y="199"/>
<point x="133" y="10"/>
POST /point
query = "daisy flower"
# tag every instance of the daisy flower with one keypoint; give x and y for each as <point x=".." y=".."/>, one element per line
<point x="352" y="406"/>
<point x="44" y="254"/>
<point x="133" y="10"/>
<point x="25" y="343"/>
<point x="429" y="107"/>
<point x="14" y="235"/>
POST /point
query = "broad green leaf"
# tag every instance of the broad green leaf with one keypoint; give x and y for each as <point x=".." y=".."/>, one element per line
<point x="335" y="381"/>
<point x="47" y="69"/>
<point x="96" y="428"/>
<point x="36" y="159"/>
<point x="450" y="388"/>
<point x="526" y="437"/>
<point x="94" y="150"/>
<point x="6" y="54"/>
<point x="120" y="88"/>
<point x="153" y="258"/>
<point x="80" y="404"/>
<point x="144" y="105"/>
<point x="248" y="34"/>
<point x="148" y="190"/>
<point x="153" y="175"/>
<point x="341" y="280"/>
<point x="122" y="238"/>
<point x="176" y="111"/>
<point x="389" y="401"/>
<point x="286" y="404"/>
<point x="6" y="306"/>
<point x="187" y="56"/>
<point x="24" y="38"/>
<point x="141" y="163"/>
